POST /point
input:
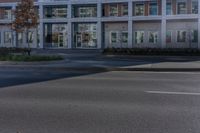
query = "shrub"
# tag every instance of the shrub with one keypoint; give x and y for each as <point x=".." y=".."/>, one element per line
<point x="153" y="51"/>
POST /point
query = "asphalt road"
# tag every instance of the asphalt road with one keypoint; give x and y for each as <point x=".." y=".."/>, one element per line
<point x="107" y="102"/>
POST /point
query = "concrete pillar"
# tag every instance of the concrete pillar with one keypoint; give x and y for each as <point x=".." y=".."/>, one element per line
<point x="99" y="25"/>
<point x="14" y="34"/>
<point x="41" y="29"/>
<point x="69" y="24"/>
<point x="163" y="25"/>
<point x="130" y="24"/>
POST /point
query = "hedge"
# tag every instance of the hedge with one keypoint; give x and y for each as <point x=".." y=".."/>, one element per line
<point x="153" y="51"/>
<point x="7" y="51"/>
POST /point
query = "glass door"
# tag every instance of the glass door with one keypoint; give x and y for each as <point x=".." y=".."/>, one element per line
<point x="78" y="40"/>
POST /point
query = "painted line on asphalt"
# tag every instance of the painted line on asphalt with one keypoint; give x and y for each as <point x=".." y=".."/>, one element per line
<point x="173" y="93"/>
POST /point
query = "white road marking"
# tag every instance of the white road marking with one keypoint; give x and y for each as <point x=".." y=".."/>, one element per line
<point x="173" y="93"/>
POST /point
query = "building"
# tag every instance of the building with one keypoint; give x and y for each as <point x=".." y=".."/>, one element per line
<point x="96" y="24"/>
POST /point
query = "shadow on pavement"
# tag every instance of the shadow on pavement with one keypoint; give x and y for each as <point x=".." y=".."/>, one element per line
<point x="13" y="77"/>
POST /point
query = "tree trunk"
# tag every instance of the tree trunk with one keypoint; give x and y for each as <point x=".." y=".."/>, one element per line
<point x="27" y="35"/>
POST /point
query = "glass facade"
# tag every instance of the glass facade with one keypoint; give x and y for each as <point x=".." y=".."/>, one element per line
<point x="55" y="11"/>
<point x="85" y="35"/>
<point x="147" y="23"/>
<point x="56" y="35"/>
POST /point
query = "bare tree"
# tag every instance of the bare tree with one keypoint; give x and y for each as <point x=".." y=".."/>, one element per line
<point x="26" y="18"/>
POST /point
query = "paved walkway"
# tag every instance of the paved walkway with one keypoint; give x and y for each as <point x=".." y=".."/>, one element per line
<point x="94" y="60"/>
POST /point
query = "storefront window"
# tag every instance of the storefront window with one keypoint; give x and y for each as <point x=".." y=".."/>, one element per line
<point x="153" y="37"/>
<point x="139" y="37"/>
<point x="153" y="9"/>
<point x="85" y="35"/>
<point x="139" y="9"/>
<point x="181" y="36"/>
<point x="56" y="35"/>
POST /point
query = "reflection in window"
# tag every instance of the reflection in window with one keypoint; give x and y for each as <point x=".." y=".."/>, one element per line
<point x="55" y="12"/>
<point x="139" y="9"/>
<point x="87" y="12"/>
<point x="20" y="38"/>
<point x="125" y="10"/>
<point x="153" y="9"/>
<point x="85" y="35"/>
<point x="139" y="37"/>
<point x="113" y="10"/>
<point x="153" y="37"/>
<point x="5" y="13"/>
<point x="169" y="8"/>
<point x="113" y="36"/>
<point x="168" y="37"/>
<point x="30" y="37"/>
<point x="194" y="36"/>
<point x="181" y="8"/>
<point x="194" y="7"/>
<point x="7" y="37"/>
<point x="56" y="35"/>
<point x="124" y="37"/>
<point x="181" y="36"/>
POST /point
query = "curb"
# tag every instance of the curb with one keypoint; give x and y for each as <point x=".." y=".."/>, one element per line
<point x="102" y="69"/>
